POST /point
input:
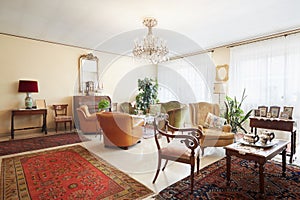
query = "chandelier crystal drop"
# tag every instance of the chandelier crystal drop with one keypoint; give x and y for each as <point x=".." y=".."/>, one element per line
<point x="151" y="48"/>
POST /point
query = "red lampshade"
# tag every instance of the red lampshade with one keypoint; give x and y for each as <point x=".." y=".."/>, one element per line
<point x="28" y="86"/>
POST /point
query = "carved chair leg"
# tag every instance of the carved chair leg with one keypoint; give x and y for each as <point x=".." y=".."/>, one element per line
<point x="198" y="164"/>
<point x="165" y="165"/>
<point x="192" y="178"/>
<point x="56" y="127"/>
<point x="158" y="169"/>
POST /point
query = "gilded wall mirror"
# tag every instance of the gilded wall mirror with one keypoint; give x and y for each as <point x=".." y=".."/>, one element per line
<point x="88" y="73"/>
<point x="222" y="73"/>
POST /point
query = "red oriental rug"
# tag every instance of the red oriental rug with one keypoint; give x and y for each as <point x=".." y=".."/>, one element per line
<point x="35" y="143"/>
<point x="66" y="173"/>
<point x="210" y="183"/>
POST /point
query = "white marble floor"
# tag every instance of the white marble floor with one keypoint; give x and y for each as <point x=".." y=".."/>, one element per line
<point x="140" y="161"/>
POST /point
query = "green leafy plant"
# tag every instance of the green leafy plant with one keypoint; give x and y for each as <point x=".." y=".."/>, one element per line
<point x="234" y="114"/>
<point x="148" y="90"/>
<point x="103" y="104"/>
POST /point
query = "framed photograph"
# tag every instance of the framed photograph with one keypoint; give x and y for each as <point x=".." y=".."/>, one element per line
<point x="40" y="103"/>
<point x="263" y="110"/>
<point x="288" y="110"/>
<point x="256" y="112"/>
<point x="284" y="115"/>
<point x="274" y="110"/>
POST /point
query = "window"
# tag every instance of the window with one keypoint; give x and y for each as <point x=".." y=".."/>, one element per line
<point x="269" y="71"/>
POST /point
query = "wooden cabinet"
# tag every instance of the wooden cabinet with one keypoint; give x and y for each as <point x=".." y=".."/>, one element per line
<point x="90" y="101"/>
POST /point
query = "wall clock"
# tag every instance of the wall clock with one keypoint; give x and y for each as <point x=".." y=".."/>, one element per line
<point x="222" y="73"/>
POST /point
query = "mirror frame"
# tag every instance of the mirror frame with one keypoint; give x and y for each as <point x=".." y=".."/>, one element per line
<point x="91" y="57"/>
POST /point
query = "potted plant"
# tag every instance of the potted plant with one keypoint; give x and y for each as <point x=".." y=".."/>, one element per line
<point x="148" y="90"/>
<point x="234" y="114"/>
<point x="103" y="104"/>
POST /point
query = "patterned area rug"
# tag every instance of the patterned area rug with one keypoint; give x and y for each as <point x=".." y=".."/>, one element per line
<point x="66" y="173"/>
<point x="210" y="183"/>
<point x="29" y="144"/>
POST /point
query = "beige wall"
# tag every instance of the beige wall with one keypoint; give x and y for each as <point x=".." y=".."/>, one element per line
<point x="221" y="56"/>
<point x="53" y="66"/>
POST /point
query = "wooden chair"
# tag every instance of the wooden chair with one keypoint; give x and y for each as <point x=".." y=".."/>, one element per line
<point x="61" y="116"/>
<point x="179" y="147"/>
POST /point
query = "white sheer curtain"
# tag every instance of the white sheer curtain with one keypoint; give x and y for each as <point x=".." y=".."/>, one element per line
<point x="269" y="71"/>
<point x="186" y="80"/>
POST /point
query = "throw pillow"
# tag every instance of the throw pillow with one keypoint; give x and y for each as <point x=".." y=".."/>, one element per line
<point x="213" y="121"/>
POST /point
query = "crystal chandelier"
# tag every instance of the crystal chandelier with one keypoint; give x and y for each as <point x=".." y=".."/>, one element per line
<point x="151" y="48"/>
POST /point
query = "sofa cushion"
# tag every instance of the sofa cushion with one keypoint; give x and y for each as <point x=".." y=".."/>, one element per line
<point x="213" y="121"/>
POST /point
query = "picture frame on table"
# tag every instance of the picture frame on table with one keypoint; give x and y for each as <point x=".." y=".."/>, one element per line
<point x="263" y="110"/>
<point x="274" y="110"/>
<point x="256" y="112"/>
<point x="40" y="103"/>
<point x="284" y="115"/>
<point x="289" y="110"/>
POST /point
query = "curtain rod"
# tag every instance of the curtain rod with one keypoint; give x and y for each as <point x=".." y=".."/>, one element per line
<point x="265" y="37"/>
<point x="239" y="43"/>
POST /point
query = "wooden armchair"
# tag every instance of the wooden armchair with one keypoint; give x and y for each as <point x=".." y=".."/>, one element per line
<point x="182" y="147"/>
<point x="60" y="111"/>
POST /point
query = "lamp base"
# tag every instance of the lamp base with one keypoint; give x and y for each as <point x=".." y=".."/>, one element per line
<point x="28" y="101"/>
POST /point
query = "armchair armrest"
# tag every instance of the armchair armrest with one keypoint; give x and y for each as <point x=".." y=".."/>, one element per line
<point x="190" y="141"/>
<point x="226" y="128"/>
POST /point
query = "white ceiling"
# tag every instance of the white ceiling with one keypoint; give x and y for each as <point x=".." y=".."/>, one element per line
<point x="91" y="23"/>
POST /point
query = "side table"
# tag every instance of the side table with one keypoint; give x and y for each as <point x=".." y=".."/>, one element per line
<point x="258" y="155"/>
<point x="28" y="112"/>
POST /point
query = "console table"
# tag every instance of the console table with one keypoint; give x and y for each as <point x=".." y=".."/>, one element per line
<point x="28" y="112"/>
<point x="276" y="124"/>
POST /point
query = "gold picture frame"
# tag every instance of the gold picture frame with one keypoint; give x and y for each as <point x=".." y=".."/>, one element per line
<point x="222" y="72"/>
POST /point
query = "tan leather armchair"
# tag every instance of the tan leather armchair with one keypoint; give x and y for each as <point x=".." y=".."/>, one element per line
<point x="119" y="129"/>
<point x="87" y="122"/>
<point x="212" y="137"/>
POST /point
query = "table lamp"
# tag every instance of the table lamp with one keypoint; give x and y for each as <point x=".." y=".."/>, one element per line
<point x="28" y="87"/>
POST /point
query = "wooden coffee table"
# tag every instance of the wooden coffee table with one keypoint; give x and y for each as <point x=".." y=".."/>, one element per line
<point x="257" y="154"/>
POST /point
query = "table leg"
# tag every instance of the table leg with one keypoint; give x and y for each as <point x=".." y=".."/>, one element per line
<point x="12" y="127"/>
<point x="293" y="144"/>
<point x="261" y="178"/>
<point x="228" y="165"/>
<point x="284" y="162"/>
<point x="44" y="128"/>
